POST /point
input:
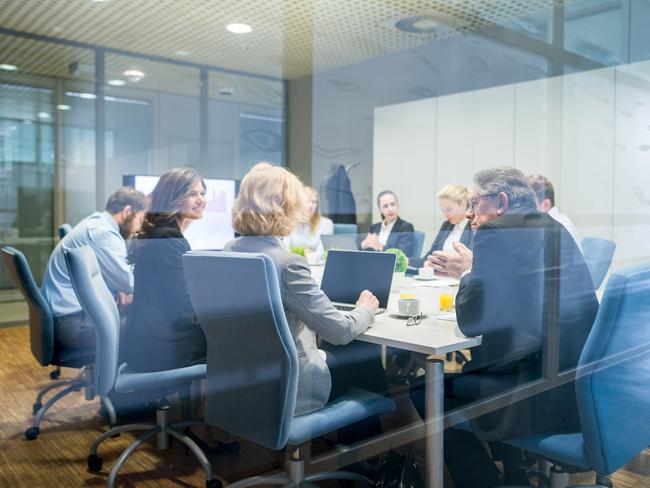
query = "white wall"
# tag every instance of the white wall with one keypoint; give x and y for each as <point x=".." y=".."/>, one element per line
<point x="588" y="132"/>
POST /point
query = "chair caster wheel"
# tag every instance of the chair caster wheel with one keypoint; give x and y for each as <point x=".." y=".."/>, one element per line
<point x="213" y="484"/>
<point x="31" y="433"/>
<point x="55" y="374"/>
<point x="36" y="407"/>
<point x="95" y="463"/>
<point x="604" y="481"/>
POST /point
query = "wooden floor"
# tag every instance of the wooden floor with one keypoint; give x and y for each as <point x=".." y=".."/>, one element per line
<point x="58" y="457"/>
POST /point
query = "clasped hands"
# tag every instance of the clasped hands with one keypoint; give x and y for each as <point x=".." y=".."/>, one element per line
<point x="452" y="264"/>
<point x="372" y="241"/>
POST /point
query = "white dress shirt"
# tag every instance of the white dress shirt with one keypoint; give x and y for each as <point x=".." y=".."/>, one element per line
<point x="454" y="236"/>
<point x="385" y="231"/>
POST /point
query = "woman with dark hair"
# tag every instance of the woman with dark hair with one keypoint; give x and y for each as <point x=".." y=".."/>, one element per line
<point x="162" y="330"/>
<point x="391" y="232"/>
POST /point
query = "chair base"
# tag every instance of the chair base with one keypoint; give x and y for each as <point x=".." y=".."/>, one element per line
<point x="162" y="429"/>
<point x="84" y="381"/>
<point x="555" y="475"/>
<point x="294" y="476"/>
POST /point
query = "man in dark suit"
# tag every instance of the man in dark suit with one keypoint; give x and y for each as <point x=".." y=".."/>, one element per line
<point x="520" y="261"/>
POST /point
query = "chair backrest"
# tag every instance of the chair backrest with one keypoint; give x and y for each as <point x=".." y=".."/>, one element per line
<point x="345" y="228"/>
<point x="99" y="305"/>
<point x="252" y="370"/>
<point x="613" y="386"/>
<point x="418" y="243"/>
<point x="64" y="229"/>
<point x="41" y="320"/>
<point x="598" y="254"/>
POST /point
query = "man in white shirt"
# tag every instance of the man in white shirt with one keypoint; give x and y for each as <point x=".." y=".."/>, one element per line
<point x="545" y="195"/>
<point x="105" y="232"/>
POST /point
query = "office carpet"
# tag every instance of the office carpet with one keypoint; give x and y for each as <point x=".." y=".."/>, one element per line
<point x="58" y="457"/>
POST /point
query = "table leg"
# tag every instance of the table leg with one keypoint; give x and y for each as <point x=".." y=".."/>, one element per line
<point x="434" y="410"/>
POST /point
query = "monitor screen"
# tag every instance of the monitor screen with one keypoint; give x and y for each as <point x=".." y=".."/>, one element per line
<point x="215" y="228"/>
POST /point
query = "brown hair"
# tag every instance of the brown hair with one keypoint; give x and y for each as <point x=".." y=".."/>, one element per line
<point x="543" y="188"/>
<point x="314" y="219"/>
<point x="271" y="201"/>
<point x="126" y="196"/>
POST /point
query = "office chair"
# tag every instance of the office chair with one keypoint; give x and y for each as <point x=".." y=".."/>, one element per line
<point x="44" y="346"/>
<point x="418" y="243"/>
<point x="110" y="376"/>
<point x="253" y="364"/>
<point x="612" y="388"/>
<point x="64" y="229"/>
<point x="598" y="254"/>
<point x="345" y="229"/>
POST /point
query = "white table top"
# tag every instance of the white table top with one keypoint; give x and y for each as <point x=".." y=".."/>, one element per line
<point x="431" y="336"/>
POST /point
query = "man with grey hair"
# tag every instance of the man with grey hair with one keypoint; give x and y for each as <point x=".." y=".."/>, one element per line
<point x="522" y="260"/>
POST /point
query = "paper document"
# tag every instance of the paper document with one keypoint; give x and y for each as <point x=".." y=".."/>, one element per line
<point x="450" y="316"/>
<point x="441" y="283"/>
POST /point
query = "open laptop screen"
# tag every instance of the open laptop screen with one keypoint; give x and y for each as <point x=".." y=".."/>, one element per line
<point x="348" y="273"/>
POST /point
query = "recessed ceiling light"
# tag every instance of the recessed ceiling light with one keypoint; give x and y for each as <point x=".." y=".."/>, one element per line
<point x="63" y="107"/>
<point x="181" y="53"/>
<point x="437" y="23"/>
<point x="116" y="82"/>
<point x="133" y="75"/>
<point x="43" y="115"/>
<point x="237" y="28"/>
<point x="8" y="67"/>
<point x="88" y="96"/>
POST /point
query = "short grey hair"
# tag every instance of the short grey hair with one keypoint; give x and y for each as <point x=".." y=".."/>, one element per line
<point x="507" y="180"/>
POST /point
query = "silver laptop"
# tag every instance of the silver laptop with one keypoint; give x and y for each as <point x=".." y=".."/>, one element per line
<point x="348" y="273"/>
<point x="340" y="241"/>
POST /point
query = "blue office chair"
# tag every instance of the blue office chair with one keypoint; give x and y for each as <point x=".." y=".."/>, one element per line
<point x="418" y="244"/>
<point x="253" y="365"/>
<point x="598" y="254"/>
<point x="612" y="387"/>
<point x="44" y="347"/>
<point x="64" y="229"/>
<point x="345" y="229"/>
<point x="110" y="376"/>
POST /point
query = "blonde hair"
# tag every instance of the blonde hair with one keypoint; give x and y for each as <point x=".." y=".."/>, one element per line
<point x="271" y="202"/>
<point x="456" y="193"/>
<point x="314" y="219"/>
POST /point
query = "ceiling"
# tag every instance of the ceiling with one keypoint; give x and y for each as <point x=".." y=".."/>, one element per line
<point x="290" y="38"/>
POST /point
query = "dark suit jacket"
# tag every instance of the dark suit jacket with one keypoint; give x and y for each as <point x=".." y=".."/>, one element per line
<point x="503" y="298"/>
<point x="161" y="305"/>
<point x="401" y="237"/>
<point x="439" y="241"/>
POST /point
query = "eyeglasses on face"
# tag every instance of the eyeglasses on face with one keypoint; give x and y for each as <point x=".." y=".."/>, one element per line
<point x="474" y="201"/>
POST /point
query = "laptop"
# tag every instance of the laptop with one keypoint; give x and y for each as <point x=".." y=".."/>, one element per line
<point x="346" y="242"/>
<point x="348" y="273"/>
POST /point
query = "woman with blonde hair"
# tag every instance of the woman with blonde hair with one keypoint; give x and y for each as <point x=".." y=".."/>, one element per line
<point x="453" y="201"/>
<point x="270" y="203"/>
<point x="307" y="232"/>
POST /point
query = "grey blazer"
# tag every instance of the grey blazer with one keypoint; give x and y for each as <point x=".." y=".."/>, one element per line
<point x="309" y="313"/>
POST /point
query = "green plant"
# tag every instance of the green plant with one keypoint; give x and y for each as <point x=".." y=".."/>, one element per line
<point x="299" y="250"/>
<point x="401" y="261"/>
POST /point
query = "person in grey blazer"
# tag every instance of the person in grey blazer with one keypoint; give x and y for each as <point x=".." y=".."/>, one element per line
<point x="270" y="203"/>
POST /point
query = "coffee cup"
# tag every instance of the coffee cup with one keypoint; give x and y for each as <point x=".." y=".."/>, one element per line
<point x="426" y="273"/>
<point x="409" y="306"/>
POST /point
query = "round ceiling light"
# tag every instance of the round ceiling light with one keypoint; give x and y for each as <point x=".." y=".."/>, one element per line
<point x="63" y="107"/>
<point x="133" y="75"/>
<point x="116" y="82"/>
<point x="43" y="115"/>
<point x="432" y="23"/>
<point x="8" y="67"/>
<point x="238" y="28"/>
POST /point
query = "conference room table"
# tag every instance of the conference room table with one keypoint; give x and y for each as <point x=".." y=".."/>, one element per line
<point x="437" y="334"/>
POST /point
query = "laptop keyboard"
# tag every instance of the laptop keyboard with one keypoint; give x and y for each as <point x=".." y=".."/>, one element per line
<point x="345" y="308"/>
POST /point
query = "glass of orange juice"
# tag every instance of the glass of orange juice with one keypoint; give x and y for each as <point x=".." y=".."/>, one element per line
<point x="446" y="302"/>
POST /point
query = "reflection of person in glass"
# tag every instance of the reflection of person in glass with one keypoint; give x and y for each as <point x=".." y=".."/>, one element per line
<point x="161" y="322"/>
<point x="521" y="256"/>
<point x="307" y="233"/>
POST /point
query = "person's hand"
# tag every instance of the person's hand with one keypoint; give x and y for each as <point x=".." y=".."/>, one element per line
<point x="372" y="241"/>
<point x="427" y="263"/>
<point x="368" y="300"/>
<point x="124" y="300"/>
<point x="452" y="264"/>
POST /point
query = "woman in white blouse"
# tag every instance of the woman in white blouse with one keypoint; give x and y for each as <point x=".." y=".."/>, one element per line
<point x="307" y="233"/>
<point x="453" y="200"/>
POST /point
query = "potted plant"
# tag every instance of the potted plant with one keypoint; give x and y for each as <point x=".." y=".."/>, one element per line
<point x="401" y="263"/>
<point x="299" y="250"/>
